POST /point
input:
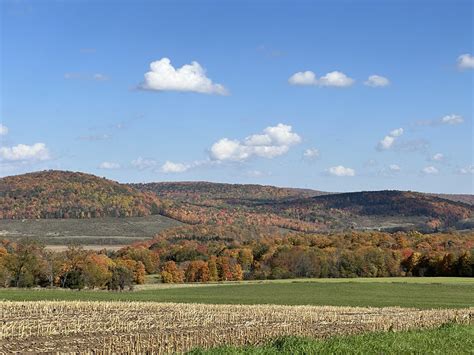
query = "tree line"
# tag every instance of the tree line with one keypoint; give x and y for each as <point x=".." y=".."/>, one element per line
<point x="210" y="254"/>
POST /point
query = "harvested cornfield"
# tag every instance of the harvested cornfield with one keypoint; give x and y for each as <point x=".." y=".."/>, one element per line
<point x="105" y="327"/>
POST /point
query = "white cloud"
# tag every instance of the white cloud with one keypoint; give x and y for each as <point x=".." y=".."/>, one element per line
<point x="388" y="141"/>
<point x="394" y="168"/>
<point x="467" y="170"/>
<point x="109" y="165"/>
<point x="438" y="157"/>
<point x="452" y="119"/>
<point x="396" y="132"/>
<point x="275" y="141"/>
<point x="227" y="149"/>
<point x="466" y="61"/>
<point x="143" y="164"/>
<point x="189" y="78"/>
<point x="377" y="81"/>
<point x="303" y="78"/>
<point x="311" y="153"/>
<point x="341" y="171"/>
<point x="24" y="152"/>
<point x="3" y="130"/>
<point x="334" y="79"/>
<point x="170" y="167"/>
<point x="430" y="170"/>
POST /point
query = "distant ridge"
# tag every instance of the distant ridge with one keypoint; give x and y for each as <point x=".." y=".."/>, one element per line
<point x="65" y="194"/>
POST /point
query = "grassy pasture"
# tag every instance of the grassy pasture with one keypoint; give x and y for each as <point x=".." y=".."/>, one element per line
<point x="448" y="339"/>
<point x="419" y="293"/>
<point x="95" y="231"/>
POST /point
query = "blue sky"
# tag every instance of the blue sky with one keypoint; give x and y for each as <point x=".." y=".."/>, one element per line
<point x="74" y="94"/>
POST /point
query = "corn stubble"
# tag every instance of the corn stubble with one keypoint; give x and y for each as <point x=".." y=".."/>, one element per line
<point x="139" y="327"/>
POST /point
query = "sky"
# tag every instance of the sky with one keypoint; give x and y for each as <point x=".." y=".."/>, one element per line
<point x="329" y="95"/>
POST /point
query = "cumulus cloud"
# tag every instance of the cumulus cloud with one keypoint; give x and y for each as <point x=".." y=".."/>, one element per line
<point x="396" y="132"/>
<point x="467" y="170"/>
<point x="341" y="171"/>
<point x="170" y="167"/>
<point x="450" y="120"/>
<point x="3" y="130"/>
<point x="394" y="168"/>
<point x="430" y="170"/>
<point x="334" y="79"/>
<point x="377" y="81"/>
<point x="388" y="141"/>
<point x="466" y="61"/>
<point x="273" y="142"/>
<point x="189" y="78"/>
<point x="24" y="152"/>
<point x="303" y="78"/>
<point x="337" y="79"/>
<point x="109" y="165"/>
<point x="311" y="153"/>
<point x="142" y="164"/>
<point x="437" y="157"/>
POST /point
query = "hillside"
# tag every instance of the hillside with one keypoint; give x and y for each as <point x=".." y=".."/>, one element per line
<point x="351" y="209"/>
<point x="63" y="194"/>
<point x="69" y="195"/>
<point x="308" y="210"/>
<point x="208" y="193"/>
<point x="106" y="231"/>
<point x="468" y="199"/>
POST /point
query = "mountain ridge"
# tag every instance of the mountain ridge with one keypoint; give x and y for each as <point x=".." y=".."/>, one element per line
<point x="65" y="194"/>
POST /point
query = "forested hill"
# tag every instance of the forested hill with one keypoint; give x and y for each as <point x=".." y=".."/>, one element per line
<point x="205" y="192"/>
<point x="437" y="212"/>
<point x="63" y="194"/>
<point x="468" y="199"/>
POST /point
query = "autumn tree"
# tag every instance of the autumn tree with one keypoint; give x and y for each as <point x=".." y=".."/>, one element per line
<point x="171" y="274"/>
<point x="121" y="278"/>
<point x="96" y="270"/>
<point x="197" y="271"/>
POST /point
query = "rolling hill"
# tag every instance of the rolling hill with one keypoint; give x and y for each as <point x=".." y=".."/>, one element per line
<point x="310" y="210"/>
<point x="201" y="192"/>
<point x="71" y="195"/>
<point x="64" y="194"/>
<point x="367" y="209"/>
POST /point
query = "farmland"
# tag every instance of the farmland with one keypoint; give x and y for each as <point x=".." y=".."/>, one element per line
<point x="448" y="339"/>
<point x="404" y="292"/>
<point x="168" y="327"/>
<point x="102" y="232"/>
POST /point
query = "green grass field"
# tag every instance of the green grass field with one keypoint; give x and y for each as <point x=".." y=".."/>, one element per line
<point x="419" y="293"/>
<point x="449" y="339"/>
